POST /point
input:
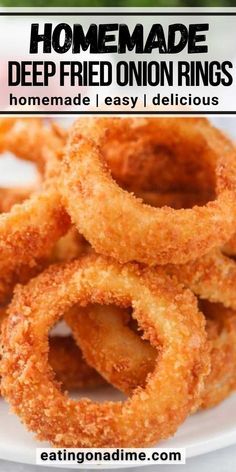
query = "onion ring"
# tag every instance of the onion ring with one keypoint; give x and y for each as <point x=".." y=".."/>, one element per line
<point x="29" y="139"/>
<point x="176" y="200"/>
<point x="64" y="356"/>
<point x="212" y="277"/>
<point x="164" y="311"/>
<point x="11" y="196"/>
<point x="27" y="235"/>
<point x="152" y="161"/>
<point x="221" y="329"/>
<point x="124" y="359"/>
<point x="108" y="344"/>
<point x="230" y="247"/>
<point x="118" y="224"/>
<point x="30" y="230"/>
<point x="68" y="363"/>
<point x="69" y="247"/>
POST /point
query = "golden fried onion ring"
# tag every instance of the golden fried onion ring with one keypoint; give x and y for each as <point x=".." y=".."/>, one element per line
<point x="12" y="195"/>
<point x="29" y="231"/>
<point x="171" y="322"/>
<point x="173" y="160"/>
<point x="27" y="235"/>
<point x="67" y="361"/>
<point x="176" y="200"/>
<point x="107" y="342"/>
<point x="30" y="139"/>
<point x="124" y="359"/>
<point x="118" y="224"/>
<point x="212" y="277"/>
<point x="221" y="330"/>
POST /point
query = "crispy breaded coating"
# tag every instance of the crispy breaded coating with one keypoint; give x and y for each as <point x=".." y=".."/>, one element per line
<point x="125" y="359"/>
<point x="118" y="224"/>
<point x="171" y="322"/>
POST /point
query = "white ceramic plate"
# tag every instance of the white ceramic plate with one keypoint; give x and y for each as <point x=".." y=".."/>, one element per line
<point x="201" y="433"/>
<point x="204" y="432"/>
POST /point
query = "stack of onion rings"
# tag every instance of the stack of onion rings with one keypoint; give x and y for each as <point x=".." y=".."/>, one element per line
<point x="160" y="192"/>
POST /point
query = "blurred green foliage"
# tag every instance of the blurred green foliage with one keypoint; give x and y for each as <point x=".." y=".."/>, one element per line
<point x="118" y="3"/>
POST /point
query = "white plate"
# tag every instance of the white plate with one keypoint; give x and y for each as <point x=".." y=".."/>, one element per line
<point x="204" y="432"/>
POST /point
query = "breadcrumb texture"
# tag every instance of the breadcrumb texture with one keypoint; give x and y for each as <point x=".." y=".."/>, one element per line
<point x="27" y="235"/>
<point x="125" y="359"/>
<point x="67" y="361"/>
<point x="118" y="224"/>
<point x="11" y="196"/>
<point x="108" y="344"/>
<point x="30" y="229"/>
<point x="221" y="329"/>
<point x="30" y="139"/>
<point x="211" y="277"/>
<point x="71" y="370"/>
<point x="166" y="313"/>
<point x="151" y="161"/>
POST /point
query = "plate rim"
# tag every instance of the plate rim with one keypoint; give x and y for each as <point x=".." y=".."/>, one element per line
<point x="202" y="445"/>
